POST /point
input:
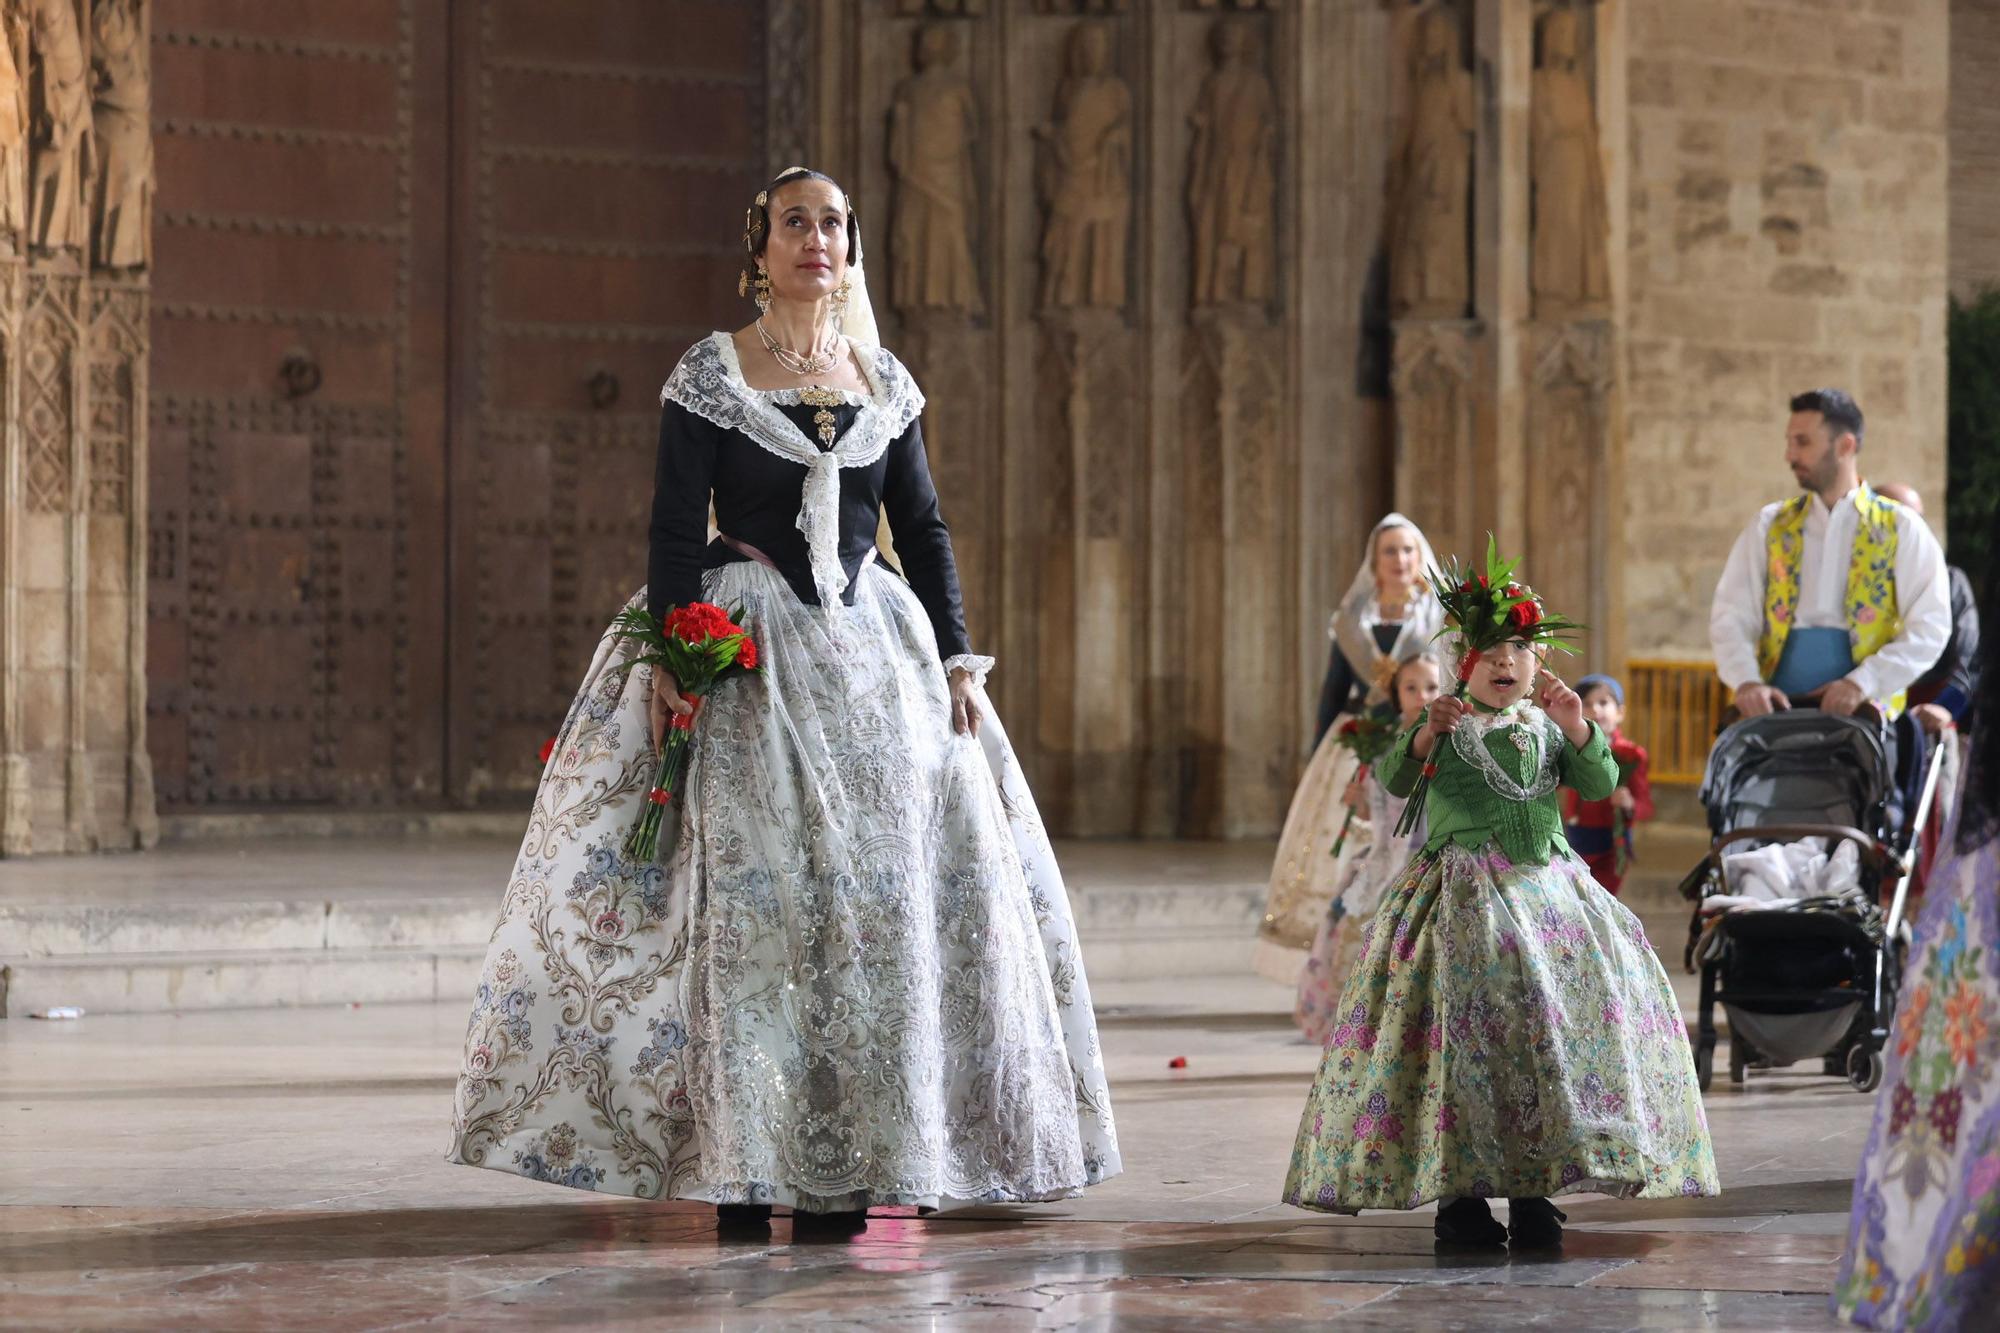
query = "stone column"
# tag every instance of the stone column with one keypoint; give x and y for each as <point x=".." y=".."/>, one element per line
<point x="1436" y="364"/>
<point x="16" y="808"/>
<point x="74" y="772"/>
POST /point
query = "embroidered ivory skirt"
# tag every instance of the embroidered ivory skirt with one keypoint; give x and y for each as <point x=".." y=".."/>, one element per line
<point x="851" y="980"/>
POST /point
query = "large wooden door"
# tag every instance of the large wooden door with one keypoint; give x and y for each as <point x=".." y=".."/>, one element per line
<point x="606" y="149"/>
<point x="420" y="269"/>
<point x="296" y="617"/>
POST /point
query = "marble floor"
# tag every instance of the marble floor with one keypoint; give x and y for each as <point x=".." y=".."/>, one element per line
<point x="263" y="1169"/>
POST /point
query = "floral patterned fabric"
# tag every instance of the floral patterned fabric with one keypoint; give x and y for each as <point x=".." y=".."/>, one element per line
<point x="852" y="981"/>
<point x="1306" y="872"/>
<point x="1508" y="1032"/>
<point x="1923" y="1243"/>
<point x="1337" y="946"/>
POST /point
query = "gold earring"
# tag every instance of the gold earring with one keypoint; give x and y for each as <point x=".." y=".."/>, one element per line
<point x="840" y="295"/>
<point x="762" y="292"/>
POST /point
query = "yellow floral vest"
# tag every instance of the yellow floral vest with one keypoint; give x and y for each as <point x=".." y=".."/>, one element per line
<point x="1873" y="618"/>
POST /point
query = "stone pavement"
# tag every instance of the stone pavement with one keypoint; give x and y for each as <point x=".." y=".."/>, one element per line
<point x="258" y="1169"/>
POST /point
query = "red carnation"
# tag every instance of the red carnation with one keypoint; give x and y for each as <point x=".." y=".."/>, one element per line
<point x="548" y="748"/>
<point x="746" y="655"/>
<point x="1349" y="727"/>
<point x="1525" y="615"/>
<point x="659" y="796"/>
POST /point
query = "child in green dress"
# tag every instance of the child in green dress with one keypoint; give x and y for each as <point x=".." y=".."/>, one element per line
<point x="1508" y="1031"/>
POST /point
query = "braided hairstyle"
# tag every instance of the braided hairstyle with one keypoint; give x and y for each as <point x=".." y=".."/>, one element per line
<point x="757" y="223"/>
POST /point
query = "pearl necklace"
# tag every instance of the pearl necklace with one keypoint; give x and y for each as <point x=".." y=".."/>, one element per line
<point x="814" y="362"/>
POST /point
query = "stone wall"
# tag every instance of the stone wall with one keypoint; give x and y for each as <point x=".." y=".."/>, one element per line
<point x="1788" y="230"/>
<point x="1975" y="146"/>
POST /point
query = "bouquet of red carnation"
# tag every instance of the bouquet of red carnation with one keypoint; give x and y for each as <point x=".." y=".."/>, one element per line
<point x="700" y="645"/>
<point x="1484" y="609"/>
<point x="1369" y="739"/>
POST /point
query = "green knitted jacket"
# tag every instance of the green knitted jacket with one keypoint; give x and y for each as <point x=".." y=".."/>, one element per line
<point x="1513" y="796"/>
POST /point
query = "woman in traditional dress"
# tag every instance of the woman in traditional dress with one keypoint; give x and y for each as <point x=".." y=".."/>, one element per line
<point x="1923" y="1242"/>
<point x="1417" y="680"/>
<point x="1385" y="617"/>
<point x="853" y="979"/>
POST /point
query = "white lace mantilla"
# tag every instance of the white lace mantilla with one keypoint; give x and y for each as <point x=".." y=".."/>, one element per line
<point x="1527" y="727"/>
<point x="709" y="383"/>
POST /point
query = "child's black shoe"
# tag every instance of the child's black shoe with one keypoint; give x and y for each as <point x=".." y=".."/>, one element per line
<point x="1534" y="1224"/>
<point x="1466" y="1221"/>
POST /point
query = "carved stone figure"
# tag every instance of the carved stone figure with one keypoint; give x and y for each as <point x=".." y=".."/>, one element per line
<point x="59" y="126"/>
<point x="121" y="217"/>
<point x="1232" y="173"/>
<point x="1086" y="178"/>
<point x="13" y="124"/>
<point x="1430" y="195"/>
<point x="933" y="123"/>
<point x="1570" y="271"/>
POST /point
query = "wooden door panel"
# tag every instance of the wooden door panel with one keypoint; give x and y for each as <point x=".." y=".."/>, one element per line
<point x="612" y="145"/>
<point x="298" y="319"/>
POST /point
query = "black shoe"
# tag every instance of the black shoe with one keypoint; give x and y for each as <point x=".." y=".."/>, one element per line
<point x="742" y="1216"/>
<point x="1466" y="1221"/>
<point x="1534" y="1224"/>
<point x="845" y="1223"/>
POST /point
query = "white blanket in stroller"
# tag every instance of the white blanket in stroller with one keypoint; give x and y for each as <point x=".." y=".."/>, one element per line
<point x="1780" y="874"/>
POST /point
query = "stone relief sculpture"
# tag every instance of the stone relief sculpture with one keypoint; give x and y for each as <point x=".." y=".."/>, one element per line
<point x="1430" y="267"/>
<point x="59" y="126"/>
<point x="121" y="213"/>
<point x="1232" y="173"/>
<point x="933" y="123"/>
<point x="13" y="125"/>
<point x="1086" y="177"/>
<point x="1570" y="272"/>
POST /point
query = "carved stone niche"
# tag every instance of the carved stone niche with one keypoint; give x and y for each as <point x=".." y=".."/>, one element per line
<point x="1569" y="272"/>
<point x="1433" y="370"/>
<point x="1232" y="172"/>
<point x="1083" y="172"/>
<point x="933" y="129"/>
<point x="1425" y="225"/>
<point x="1570" y="375"/>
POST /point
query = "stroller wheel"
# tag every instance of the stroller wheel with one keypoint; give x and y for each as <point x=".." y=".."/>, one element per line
<point x="1704" y="1067"/>
<point x="1864" y="1068"/>
<point x="1739" y="1059"/>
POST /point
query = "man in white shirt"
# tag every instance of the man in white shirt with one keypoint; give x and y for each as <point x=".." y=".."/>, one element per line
<point x="1839" y="593"/>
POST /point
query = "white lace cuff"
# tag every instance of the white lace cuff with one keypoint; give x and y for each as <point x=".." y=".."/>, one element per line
<point x="978" y="666"/>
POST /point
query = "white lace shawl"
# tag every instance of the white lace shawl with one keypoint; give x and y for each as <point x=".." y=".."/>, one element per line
<point x="709" y="383"/>
<point x="1534" y="731"/>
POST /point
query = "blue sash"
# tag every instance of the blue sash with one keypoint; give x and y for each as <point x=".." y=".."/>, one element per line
<point x="1812" y="658"/>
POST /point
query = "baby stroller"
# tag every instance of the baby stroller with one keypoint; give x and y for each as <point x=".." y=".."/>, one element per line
<point x="1815" y="973"/>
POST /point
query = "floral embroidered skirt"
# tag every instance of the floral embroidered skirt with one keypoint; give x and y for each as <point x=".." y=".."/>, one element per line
<point x="1337" y="945"/>
<point x="1923" y="1243"/>
<point x="1306" y="873"/>
<point x="1508" y="1031"/>
<point x="852" y="979"/>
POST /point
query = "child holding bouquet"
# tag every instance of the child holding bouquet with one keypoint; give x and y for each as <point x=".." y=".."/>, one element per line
<point x="1417" y="680"/>
<point x="1601" y="831"/>
<point x="1508" y="1031"/>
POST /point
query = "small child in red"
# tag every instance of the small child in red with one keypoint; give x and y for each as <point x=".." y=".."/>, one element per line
<point x="1601" y="831"/>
